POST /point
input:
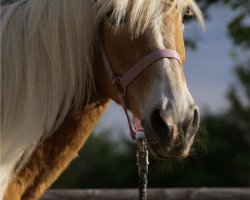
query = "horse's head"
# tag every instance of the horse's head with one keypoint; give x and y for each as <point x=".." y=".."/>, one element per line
<point x="159" y="95"/>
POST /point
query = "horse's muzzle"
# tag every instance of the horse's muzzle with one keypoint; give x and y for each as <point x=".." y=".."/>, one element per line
<point x="168" y="138"/>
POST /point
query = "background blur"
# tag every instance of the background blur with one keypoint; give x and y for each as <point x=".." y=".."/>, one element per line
<point x="218" y="75"/>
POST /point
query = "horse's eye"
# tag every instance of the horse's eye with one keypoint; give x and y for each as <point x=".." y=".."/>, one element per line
<point x="187" y="15"/>
<point x="111" y="19"/>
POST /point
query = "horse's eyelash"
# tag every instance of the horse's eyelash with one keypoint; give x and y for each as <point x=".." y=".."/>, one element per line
<point x="188" y="12"/>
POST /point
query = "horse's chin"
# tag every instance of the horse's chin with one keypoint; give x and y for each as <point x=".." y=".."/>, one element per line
<point x="168" y="152"/>
<point x="168" y="148"/>
<point x="160" y="156"/>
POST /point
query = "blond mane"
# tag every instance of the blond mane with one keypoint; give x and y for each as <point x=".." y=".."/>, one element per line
<point x="46" y="65"/>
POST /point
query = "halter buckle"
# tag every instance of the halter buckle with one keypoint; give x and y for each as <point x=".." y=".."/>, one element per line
<point x="117" y="82"/>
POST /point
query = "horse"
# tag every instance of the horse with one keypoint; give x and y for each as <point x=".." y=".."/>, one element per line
<point x="54" y="85"/>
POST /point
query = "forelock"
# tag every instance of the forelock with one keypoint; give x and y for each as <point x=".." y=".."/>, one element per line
<point x="141" y="14"/>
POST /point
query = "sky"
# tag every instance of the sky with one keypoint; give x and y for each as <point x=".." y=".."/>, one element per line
<point x="209" y="69"/>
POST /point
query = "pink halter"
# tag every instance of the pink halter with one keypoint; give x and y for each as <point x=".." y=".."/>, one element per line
<point x="122" y="82"/>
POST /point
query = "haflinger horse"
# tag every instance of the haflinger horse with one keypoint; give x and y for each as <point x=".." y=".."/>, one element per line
<point x="55" y="85"/>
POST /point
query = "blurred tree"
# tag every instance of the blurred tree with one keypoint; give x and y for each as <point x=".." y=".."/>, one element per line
<point x="239" y="29"/>
<point x="5" y="1"/>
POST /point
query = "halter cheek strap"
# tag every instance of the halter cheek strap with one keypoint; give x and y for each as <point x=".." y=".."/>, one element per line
<point x="122" y="82"/>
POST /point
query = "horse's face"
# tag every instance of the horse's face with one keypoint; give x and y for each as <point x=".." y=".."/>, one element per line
<point x="159" y="96"/>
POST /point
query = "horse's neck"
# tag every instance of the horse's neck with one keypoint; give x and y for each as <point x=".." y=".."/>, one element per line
<point x="92" y="112"/>
<point x="56" y="152"/>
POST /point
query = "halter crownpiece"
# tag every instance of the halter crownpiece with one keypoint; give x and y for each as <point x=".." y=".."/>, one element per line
<point x="122" y="82"/>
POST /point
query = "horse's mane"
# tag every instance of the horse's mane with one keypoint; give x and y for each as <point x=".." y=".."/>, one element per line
<point x="46" y="64"/>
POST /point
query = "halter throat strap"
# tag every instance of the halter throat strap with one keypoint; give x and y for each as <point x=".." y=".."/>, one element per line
<point x="121" y="82"/>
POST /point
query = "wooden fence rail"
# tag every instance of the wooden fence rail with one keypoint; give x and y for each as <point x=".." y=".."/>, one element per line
<point x="153" y="194"/>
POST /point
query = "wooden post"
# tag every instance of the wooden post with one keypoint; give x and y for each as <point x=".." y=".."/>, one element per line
<point x="153" y="194"/>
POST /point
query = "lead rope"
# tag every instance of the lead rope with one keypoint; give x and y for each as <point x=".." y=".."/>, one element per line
<point x="142" y="165"/>
<point x="142" y="160"/>
<point x="138" y="135"/>
<point x="141" y="152"/>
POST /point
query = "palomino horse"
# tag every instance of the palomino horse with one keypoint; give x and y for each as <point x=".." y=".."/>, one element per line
<point x="55" y="87"/>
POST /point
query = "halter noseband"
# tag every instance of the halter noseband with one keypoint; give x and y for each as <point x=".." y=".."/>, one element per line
<point x="122" y="82"/>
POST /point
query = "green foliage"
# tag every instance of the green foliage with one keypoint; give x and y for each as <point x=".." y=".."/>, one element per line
<point x="228" y="157"/>
<point x="240" y="32"/>
<point x="239" y="98"/>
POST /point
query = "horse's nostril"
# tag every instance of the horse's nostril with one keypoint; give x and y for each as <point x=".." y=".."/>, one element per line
<point x="159" y="126"/>
<point x="164" y="127"/>
<point x="192" y="123"/>
<point x="196" y="118"/>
